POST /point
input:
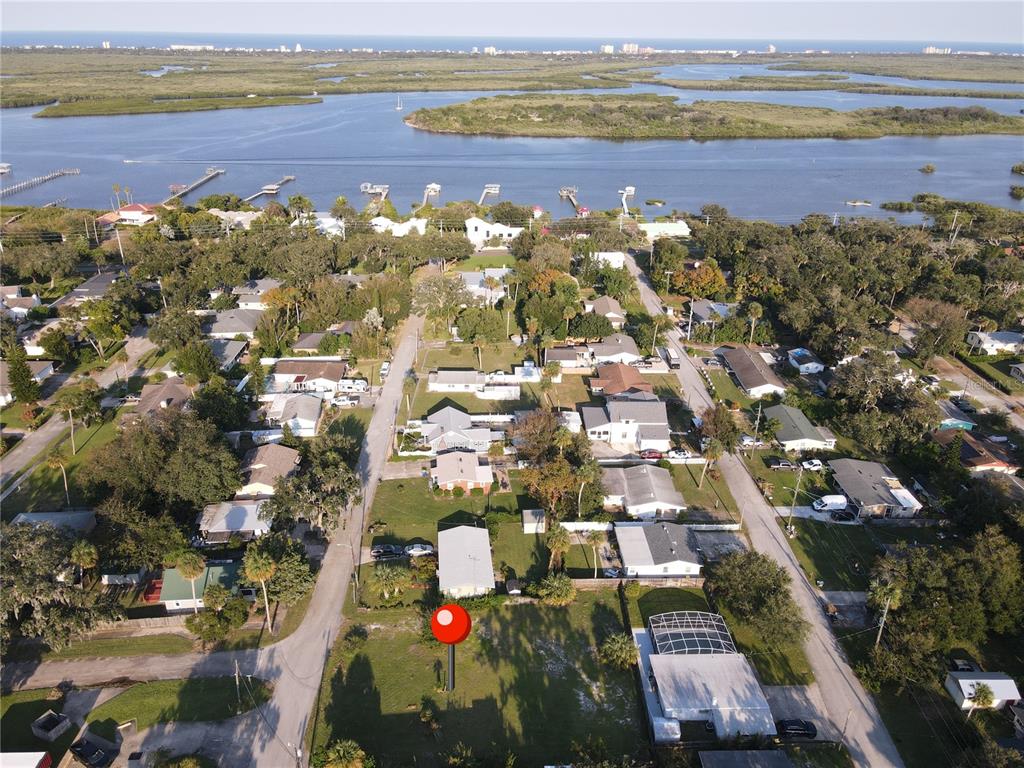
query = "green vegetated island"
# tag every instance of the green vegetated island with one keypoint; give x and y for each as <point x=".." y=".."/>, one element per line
<point x="92" y="82"/>
<point x="649" y="116"/>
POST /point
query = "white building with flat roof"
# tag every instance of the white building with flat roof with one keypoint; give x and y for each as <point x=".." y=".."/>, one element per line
<point x="464" y="567"/>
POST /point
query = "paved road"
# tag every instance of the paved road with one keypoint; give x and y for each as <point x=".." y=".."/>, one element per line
<point x="29" y="449"/>
<point x="270" y="738"/>
<point x="841" y="693"/>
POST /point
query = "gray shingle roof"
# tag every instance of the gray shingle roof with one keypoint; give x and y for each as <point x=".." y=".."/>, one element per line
<point x="750" y="368"/>
<point x="643" y="484"/>
<point x="795" y="425"/>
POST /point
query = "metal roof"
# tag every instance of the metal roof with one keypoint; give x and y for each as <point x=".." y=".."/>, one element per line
<point x="690" y="632"/>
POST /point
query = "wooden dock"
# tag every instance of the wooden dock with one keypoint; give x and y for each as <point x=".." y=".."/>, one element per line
<point x="35" y="182"/>
<point x="569" y="193"/>
<point x="270" y="189"/>
<point x="180" y="191"/>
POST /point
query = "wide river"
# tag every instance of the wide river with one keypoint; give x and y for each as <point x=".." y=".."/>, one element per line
<point x="331" y="148"/>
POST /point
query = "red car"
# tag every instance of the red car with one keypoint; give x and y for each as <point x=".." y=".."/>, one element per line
<point x="651" y="454"/>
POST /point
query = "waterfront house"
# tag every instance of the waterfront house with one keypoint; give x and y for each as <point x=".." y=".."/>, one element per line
<point x="644" y="491"/>
<point x="480" y="232"/>
<point x="382" y="224"/>
<point x="656" y="229"/>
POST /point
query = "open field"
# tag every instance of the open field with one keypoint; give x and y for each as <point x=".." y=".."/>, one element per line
<point x="17" y="711"/>
<point x="165" y="701"/>
<point x="481" y="261"/>
<point x="661" y="117"/>
<point x="996" y="368"/>
<point x="528" y="682"/>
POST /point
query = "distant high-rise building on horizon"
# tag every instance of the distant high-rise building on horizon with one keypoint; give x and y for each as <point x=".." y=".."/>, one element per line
<point x="630" y="48"/>
<point x="105" y="45"/>
<point x="298" y="47"/>
<point x="934" y="49"/>
<point x="490" y="50"/>
<point x="607" y="49"/>
<point x="771" y="48"/>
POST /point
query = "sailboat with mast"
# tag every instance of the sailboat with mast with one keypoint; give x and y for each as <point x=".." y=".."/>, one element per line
<point x="398" y="105"/>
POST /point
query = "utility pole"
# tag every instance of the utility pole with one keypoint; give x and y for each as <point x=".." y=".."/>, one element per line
<point x="120" y="248"/>
<point x="238" y="692"/>
<point x="885" y="615"/>
<point x="757" y="421"/>
<point x="792" y="505"/>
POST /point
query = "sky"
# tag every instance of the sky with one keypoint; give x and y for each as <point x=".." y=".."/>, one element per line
<point x="906" y="20"/>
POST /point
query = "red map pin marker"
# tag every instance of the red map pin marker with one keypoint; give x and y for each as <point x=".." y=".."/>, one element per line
<point x="450" y="625"/>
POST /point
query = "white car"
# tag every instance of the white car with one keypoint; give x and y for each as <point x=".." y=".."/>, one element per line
<point x="812" y="465"/>
<point x="749" y="441"/>
<point x="345" y="401"/>
<point x="680" y="454"/>
<point x="418" y="550"/>
<point x="385" y="369"/>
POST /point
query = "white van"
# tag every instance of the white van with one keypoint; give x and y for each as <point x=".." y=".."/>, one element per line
<point x="832" y="503"/>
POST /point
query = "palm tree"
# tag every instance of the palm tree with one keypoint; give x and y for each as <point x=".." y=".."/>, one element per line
<point x="559" y="542"/>
<point x="55" y="460"/>
<point x="82" y="401"/>
<point x="390" y="581"/>
<point x="191" y="565"/>
<point x="478" y="345"/>
<point x="562" y="439"/>
<point x="755" y="312"/>
<point x="84" y="555"/>
<point x="888" y="595"/>
<point x="344" y="754"/>
<point x="981" y="696"/>
<point x="618" y="650"/>
<point x="556" y="589"/>
<point x="258" y="565"/>
<point x="595" y="539"/>
<point x="713" y="452"/>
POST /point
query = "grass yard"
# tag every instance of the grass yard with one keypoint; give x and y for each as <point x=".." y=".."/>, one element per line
<point x="352" y="422"/>
<point x="819" y="756"/>
<point x="783" y="482"/>
<point x="712" y="501"/>
<point x="726" y="389"/>
<point x="462" y="355"/>
<point x="101" y="647"/>
<point x="655" y="600"/>
<point x="666" y="385"/>
<point x="996" y="368"/>
<point x="43" y="491"/>
<point x="17" y="711"/>
<point x="241" y="639"/>
<point x="775" y="665"/>
<point x="12" y="417"/>
<point x="481" y="261"/>
<point x="166" y="701"/>
<point x="528" y="682"/>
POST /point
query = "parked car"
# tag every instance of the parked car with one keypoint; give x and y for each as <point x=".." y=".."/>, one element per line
<point x="796" y="729"/>
<point x="612" y="573"/>
<point x="749" y="441"/>
<point x="843" y="515"/>
<point x="830" y="503"/>
<point x="712" y="362"/>
<point x="963" y="404"/>
<point x="388" y="557"/>
<point x="774" y="462"/>
<point x="418" y="550"/>
<point x="651" y="454"/>
<point x="377" y="550"/>
<point x="385" y="369"/>
<point x="680" y="453"/>
<point x="813" y="465"/>
<point x="88" y="753"/>
<point x="930" y="381"/>
<point x="345" y="401"/>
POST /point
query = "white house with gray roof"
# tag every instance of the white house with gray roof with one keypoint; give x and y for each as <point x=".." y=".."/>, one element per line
<point x="996" y="342"/>
<point x="657" y="550"/>
<point x="706" y="312"/>
<point x="644" y="491"/>
<point x="229" y="323"/>
<point x="873" y="488"/>
<point x="628" y="424"/>
<point x="617" y="348"/>
<point x="250" y="293"/>
<point x="796" y="433"/>
<point x="451" y="428"/>
<point x="607" y="307"/>
<point x="464" y="566"/>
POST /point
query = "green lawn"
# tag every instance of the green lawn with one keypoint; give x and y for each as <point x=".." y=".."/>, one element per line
<point x="106" y="646"/>
<point x="17" y="711"/>
<point x="783" y="482"/>
<point x="11" y="417"/>
<point x="43" y="491"/>
<point x="240" y="639"/>
<point x="481" y="261"/>
<point x="711" y="501"/>
<point x="666" y="385"/>
<point x="775" y="665"/>
<point x="164" y="701"/>
<point x="462" y="355"/>
<point x="726" y="389"/>
<point x="655" y="600"/>
<point x="819" y="756"/>
<point x="997" y="368"/>
<point x="527" y="682"/>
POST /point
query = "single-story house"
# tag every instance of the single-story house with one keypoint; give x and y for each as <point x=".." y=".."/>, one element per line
<point x="451" y="428"/>
<point x="479" y="284"/>
<point x="753" y="373"/>
<point x="461" y="469"/>
<point x="219" y="522"/>
<point x="873" y="489"/>
<point x="307" y="376"/>
<point x="617" y="348"/>
<point x="226" y="351"/>
<point x="954" y="418"/>
<point x="78" y="521"/>
<point x="322" y="222"/>
<point x="655" y="229"/>
<point x="571" y="358"/>
<point x="977" y="455"/>
<point x="16" y="303"/>
<point x="464" y="566"/>
<point x="473" y="382"/>
<point x="657" y="550"/>
<point x="613" y="259"/>
<point x="41" y="370"/>
<point x="607" y="307"/>
<point x="263" y="466"/>
<point x="534" y="521"/>
<point x="961" y="687"/>
<point x="996" y="342"/>
<point x="720" y="687"/>
<point x="632" y="424"/>
<point x="382" y="224"/>
<point x="229" y="323"/>
<point x="309" y="343"/>
<point x="154" y="398"/>
<point x="95" y="287"/>
<point x="300" y="412"/>
<point x="614" y="379"/>
<point x="176" y="591"/>
<point x="235" y="219"/>
<point x="137" y="214"/>
<point x="480" y="232"/>
<point x="805" y="361"/>
<point x="250" y="293"/>
<point x="796" y="433"/>
<point x="1017" y="372"/>
<point x="707" y="312"/>
<point x="644" y="491"/>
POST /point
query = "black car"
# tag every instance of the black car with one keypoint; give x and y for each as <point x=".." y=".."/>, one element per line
<point x="796" y="729"/>
<point x="963" y="404"/>
<point x="776" y="463"/>
<point x="382" y="550"/>
<point x="843" y="515"/>
<point x="90" y="754"/>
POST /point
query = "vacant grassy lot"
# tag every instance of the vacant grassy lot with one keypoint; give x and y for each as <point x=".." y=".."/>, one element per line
<point x="165" y="701"/>
<point x="783" y="482"/>
<point x="527" y="682"/>
<point x="712" y="501"/>
<point x="655" y="600"/>
<point x="17" y="711"/>
<point x="104" y="646"/>
<point x="481" y="261"/>
<point x="775" y="665"/>
<point x="996" y="368"/>
<point x="43" y="491"/>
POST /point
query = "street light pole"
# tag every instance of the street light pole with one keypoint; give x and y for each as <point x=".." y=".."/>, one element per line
<point x="792" y="505"/>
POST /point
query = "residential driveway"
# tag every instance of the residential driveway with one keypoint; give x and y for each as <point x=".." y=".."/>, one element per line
<point x="272" y="736"/>
<point x="398" y="470"/>
<point x="810" y="513"/>
<point x="842" y="695"/>
<point x="800" y="702"/>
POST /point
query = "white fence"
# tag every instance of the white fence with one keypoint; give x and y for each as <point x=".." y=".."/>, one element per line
<point x="581" y="526"/>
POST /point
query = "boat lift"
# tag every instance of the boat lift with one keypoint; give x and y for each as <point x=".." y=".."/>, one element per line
<point x="489" y="189"/>
<point x="431" y="190"/>
<point x="626" y="193"/>
<point x="375" y="190"/>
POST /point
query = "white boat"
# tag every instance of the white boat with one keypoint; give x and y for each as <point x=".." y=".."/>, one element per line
<point x="5" y="168"/>
<point x="858" y="202"/>
<point x="398" y="106"/>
